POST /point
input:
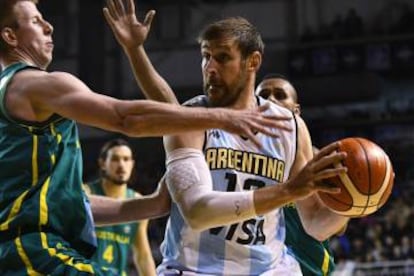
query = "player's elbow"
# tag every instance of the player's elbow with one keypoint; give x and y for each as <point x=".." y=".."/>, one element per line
<point x="133" y="127"/>
<point x="195" y="224"/>
<point x="195" y="220"/>
<point x="164" y="208"/>
<point x="195" y="216"/>
<point x="131" y="124"/>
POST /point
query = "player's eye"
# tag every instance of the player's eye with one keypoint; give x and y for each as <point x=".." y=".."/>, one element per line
<point x="221" y="58"/>
<point x="280" y="95"/>
<point x="265" y="93"/>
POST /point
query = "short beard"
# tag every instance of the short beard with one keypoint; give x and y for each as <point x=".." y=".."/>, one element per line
<point x="229" y="97"/>
<point x="104" y="175"/>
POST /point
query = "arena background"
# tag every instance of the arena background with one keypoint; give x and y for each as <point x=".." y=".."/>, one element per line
<point x="351" y="61"/>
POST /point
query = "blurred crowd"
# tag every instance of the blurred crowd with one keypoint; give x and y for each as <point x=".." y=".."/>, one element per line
<point x="394" y="18"/>
<point x="387" y="235"/>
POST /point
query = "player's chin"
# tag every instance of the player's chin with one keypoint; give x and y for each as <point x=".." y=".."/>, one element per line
<point x="121" y="180"/>
<point x="213" y="95"/>
<point x="215" y="101"/>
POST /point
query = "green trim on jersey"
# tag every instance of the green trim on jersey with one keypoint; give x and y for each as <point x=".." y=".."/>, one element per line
<point x="314" y="257"/>
<point x="114" y="241"/>
<point x="41" y="178"/>
<point x="6" y="77"/>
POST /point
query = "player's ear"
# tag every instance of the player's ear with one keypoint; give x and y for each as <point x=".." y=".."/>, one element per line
<point x="101" y="163"/>
<point x="8" y="35"/>
<point x="255" y="60"/>
<point x="296" y="109"/>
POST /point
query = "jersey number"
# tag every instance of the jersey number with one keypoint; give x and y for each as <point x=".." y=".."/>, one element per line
<point x="108" y="254"/>
<point x="252" y="228"/>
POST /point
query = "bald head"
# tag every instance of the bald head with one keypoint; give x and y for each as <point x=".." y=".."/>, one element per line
<point x="280" y="91"/>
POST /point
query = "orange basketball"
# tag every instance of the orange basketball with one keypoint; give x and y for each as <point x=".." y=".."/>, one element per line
<point x="367" y="184"/>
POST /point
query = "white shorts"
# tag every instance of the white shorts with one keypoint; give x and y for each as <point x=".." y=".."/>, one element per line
<point x="287" y="266"/>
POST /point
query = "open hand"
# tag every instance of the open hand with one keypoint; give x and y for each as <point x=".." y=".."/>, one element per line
<point x="121" y="17"/>
<point x="248" y="122"/>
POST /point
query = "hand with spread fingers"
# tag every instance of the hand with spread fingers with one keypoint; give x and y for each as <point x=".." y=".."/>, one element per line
<point x="248" y="122"/>
<point x="121" y="17"/>
<point x="322" y="166"/>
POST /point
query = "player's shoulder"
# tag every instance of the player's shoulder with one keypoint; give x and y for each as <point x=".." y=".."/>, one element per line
<point x="274" y="108"/>
<point x="91" y="187"/>
<point x="44" y="82"/>
<point x="29" y="75"/>
<point x="197" y="101"/>
<point x="87" y="189"/>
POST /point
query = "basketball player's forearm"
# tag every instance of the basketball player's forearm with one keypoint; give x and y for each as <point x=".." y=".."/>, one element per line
<point x="328" y="225"/>
<point x="317" y="220"/>
<point x="142" y="254"/>
<point x="144" y="264"/>
<point x="152" y="84"/>
<point x="190" y="185"/>
<point x="146" y="267"/>
<point x="157" y="119"/>
<point x="203" y="210"/>
<point x="323" y="229"/>
<point x="106" y="210"/>
<point x="224" y="208"/>
<point x="269" y="198"/>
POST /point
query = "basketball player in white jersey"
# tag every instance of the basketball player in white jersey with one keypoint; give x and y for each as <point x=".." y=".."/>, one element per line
<point x="226" y="217"/>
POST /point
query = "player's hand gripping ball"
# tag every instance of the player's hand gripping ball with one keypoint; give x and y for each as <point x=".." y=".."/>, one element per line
<point x="368" y="182"/>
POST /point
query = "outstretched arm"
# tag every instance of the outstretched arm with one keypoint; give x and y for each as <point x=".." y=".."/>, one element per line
<point x="107" y="210"/>
<point x="43" y="94"/>
<point x="190" y="184"/>
<point x="143" y="260"/>
<point x="131" y="34"/>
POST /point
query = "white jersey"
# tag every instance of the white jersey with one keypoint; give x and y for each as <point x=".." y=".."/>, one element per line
<point x="252" y="247"/>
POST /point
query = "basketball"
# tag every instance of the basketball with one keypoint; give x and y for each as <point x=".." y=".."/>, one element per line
<point x="368" y="182"/>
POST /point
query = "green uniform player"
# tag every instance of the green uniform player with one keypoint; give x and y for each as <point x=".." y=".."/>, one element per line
<point x="315" y="257"/>
<point x="116" y="167"/>
<point x="114" y="241"/>
<point x="42" y="202"/>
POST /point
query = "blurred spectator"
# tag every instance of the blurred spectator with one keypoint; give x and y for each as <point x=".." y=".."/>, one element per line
<point x="353" y="24"/>
<point x="395" y="17"/>
<point x="384" y="236"/>
<point x="405" y="23"/>
<point x="337" y="27"/>
<point x="387" y="20"/>
<point x="308" y="34"/>
<point x="324" y="32"/>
